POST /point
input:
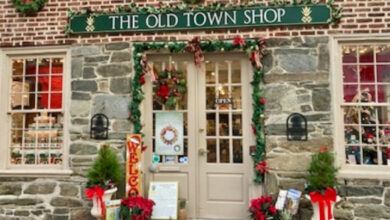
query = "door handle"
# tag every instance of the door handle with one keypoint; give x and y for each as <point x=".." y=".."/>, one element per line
<point x="202" y="151"/>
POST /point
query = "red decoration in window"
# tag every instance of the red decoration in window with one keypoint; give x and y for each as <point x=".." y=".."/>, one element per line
<point x="45" y="81"/>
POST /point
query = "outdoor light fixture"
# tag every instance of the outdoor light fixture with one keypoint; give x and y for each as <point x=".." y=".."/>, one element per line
<point x="296" y="127"/>
<point x="99" y="127"/>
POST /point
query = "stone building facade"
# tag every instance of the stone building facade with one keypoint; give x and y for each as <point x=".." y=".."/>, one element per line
<point x="299" y="68"/>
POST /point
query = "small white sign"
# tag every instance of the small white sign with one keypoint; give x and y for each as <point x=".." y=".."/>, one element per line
<point x="165" y="197"/>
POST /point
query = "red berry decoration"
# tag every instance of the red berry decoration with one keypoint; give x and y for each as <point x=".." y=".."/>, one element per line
<point x="262" y="100"/>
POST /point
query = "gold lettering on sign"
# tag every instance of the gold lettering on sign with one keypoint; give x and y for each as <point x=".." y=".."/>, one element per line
<point x="133" y="164"/>
<point x="306" y="12"/>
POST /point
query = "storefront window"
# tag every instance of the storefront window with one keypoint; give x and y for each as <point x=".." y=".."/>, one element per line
<point x="366" y="105"/>
<point x="36" y="110"/>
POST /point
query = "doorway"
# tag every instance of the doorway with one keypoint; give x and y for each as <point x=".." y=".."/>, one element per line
<point x="213" y="173"/>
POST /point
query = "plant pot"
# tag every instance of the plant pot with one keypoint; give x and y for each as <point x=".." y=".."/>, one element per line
<point x="96" y="210"/>
<point x="182" y="214"/>
<point x="316" y="209"/>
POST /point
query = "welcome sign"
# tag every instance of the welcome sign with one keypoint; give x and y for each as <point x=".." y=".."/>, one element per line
<point x="187" y="20"/>
<point x="133" y="164"/>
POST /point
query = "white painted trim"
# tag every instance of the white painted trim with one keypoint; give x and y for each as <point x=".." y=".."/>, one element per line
<point x="5" y="65"/>
<point x="346" y="170"/>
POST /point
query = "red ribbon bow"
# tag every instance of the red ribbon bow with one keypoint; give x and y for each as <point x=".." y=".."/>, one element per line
<point x="99" y="192"/>
<point x="324" y="199"/>
<point x="194" y="47"/>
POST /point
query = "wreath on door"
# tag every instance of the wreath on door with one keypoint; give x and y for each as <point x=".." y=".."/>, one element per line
<point x="28" y="6"/>
<point x="170" y="87"/>
<point x="169" y="135"/>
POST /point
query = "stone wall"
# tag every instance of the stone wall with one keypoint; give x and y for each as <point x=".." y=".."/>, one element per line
<point x="100" y="83"/>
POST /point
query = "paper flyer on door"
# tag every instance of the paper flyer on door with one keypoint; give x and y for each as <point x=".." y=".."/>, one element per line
<point x="169" y="133"/>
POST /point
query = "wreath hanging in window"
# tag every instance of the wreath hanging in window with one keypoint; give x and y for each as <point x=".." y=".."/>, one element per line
<point x="170" y="87"/>
<point x="29" y="6"/>
<point x="169" y="135"/>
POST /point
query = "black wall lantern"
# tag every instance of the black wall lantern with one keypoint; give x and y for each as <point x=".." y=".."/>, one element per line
<point x="296" y="127"/>
<point x="99" y="127"/>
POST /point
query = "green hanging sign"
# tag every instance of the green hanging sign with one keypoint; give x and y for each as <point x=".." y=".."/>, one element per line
<point x="198" y="19"/>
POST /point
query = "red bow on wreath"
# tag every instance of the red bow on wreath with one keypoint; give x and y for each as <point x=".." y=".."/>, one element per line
<point x="194" y="47"/>
<point x="99" y="192"/>
<point x="324" y="201"/>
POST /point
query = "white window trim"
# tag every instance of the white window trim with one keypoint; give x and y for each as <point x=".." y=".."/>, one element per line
<point x="5" y="68"/>
<point x="346" y="170"/>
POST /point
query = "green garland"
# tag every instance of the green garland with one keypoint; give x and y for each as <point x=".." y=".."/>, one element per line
<point x="29" y="7"/>
<point x="250" y="46"/>
<point x="192" y="1"/>
<point x="183" y="7"/>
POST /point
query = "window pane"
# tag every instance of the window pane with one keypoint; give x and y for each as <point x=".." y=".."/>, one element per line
<point x="224" y="153"/>
<point x="223" y="72"/>
<point x="236" y="96"/>
<point x="223" y="124"/>
<point x="368" y="93"/>
<point x="383" y="72"/>
<point x="211" y="124"/>
<point x="223" y="93"/>
<point x="384" y="93"/>
<point x="210" y="100"/>
<point x="385" y="156"/>
<point x="350" y="92"/>
<point x="349" y="54"/>
<point x="366" y="54"/>
<point x="210" y="73"/>
<point x="237" y="151"/>
<point x="236" y="72"/>
<point x="383" y="53"/>
<point x="352" y="134"/>
<point x="350" y="73"/>
<point x="366" y="73"/>
<point x="353" y="155"/>
<point x="370" y="155"/>
<point x="57" y="66"/>
<point x="211" y="151"/>
<point x="237" y="125"/>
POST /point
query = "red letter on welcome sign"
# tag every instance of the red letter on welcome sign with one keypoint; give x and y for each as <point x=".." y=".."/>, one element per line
<point x="133" y="160"/>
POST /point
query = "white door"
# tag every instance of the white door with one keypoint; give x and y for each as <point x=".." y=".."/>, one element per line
<point x="214" y="180"/>
<point x="224" y="122"/>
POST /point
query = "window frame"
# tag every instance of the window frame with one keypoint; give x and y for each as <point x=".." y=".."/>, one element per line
<point x="6" y="56"/>
<point x="336" y="79"/>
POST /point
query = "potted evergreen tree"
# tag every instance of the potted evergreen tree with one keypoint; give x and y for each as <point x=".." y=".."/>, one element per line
<point x="103" y="177"/>
<point x="321" y="184"/>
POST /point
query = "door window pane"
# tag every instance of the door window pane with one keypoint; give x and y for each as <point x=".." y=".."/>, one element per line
<point x="224" y="152"/>
<point x="211" y="150"/>
<point x="237" y="151"/>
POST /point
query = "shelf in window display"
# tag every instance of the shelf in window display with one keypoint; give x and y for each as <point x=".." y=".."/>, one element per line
<point x="40" y="126"/>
